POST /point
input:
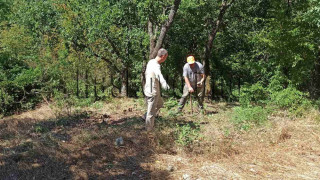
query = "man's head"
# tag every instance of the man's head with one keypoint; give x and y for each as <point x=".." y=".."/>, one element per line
<point x="191" y="60"/>
<point x="162" y="55"/>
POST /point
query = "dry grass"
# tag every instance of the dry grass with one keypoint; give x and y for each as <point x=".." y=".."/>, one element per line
<point x="82" y="146"/>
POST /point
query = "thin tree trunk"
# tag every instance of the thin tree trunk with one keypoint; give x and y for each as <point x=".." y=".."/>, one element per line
<point x="164" y="29"/>
<point x="144" y="64"/>
<point x="152" y="35"/>
<point x="95" y="89"/>
<point x="315" y="91"/>
<point x="102" y="85"/>
<point x="77" y="81"/>
<point x="212" y="88"/>
<point x="127" y="79"/>
<point x="87" y="84"/>
<point x="239" y="85"/>
<point x="155" y="44"/>
<point x="182" y="84"/>
<point x="113" y="86"/>
<point x="230" y="88"/>
<point x="123" y="83"/>
<point x="212" y="35"/>
<point x="222" y="93"/>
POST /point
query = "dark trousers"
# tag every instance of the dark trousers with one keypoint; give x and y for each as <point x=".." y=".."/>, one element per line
<point x="186" y="93"/>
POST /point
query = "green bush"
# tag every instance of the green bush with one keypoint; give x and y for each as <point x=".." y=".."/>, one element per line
<point x="171" y="103"/>
<point x="255" y="93"/>
<point x="277" y="82"/>
<point x="246" y="117"/>
<point x="187" y="134"/>
<point x="292" y="99"/>
<point x="5" y="101"/>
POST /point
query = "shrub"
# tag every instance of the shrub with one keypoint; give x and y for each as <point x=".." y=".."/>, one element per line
<point x="255" y="93"/>
<point x="65" y="103"/>
<point x="290" y="98"/>
<point x="187" y="134"/>
<point x="40" y="129"/>
<point x="246" y="117"/>
<point x="171" y="103"/>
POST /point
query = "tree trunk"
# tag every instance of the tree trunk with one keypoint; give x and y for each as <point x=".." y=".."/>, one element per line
<point x="127" y="81"/>
<point x="113" y="86"/>
<point x="222" y="93"/>
<point x="123" y="83"/>
<point x="78" y="82"/>
<point x="239" y="85"/>
<point x="182" y="84"/>
<point x="144" y="64"/>
<point x="164" y="29"/>
<point x="212" y="36"/>
<point x="152" y="35"/>
<point x="315" y="91"/>
<point x="230" y="88"/>
<point x="95" y="89"/>
<point x="102" y="85"/>
<point x="152" y="31"/>
<point x="212" y="88"/>
<point x="87" y="84"/>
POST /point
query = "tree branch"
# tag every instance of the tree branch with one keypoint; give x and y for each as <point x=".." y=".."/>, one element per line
<point x="152" y="37"/>
<point x="83" y="46"/>
<point x="114" y="47"/>
<point x="107" y="61"/>
<point x="213" y="33"/>
<point x="165" y="27"/>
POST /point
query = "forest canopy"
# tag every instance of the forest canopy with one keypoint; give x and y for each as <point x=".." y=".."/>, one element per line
<point x="253" y="50"/>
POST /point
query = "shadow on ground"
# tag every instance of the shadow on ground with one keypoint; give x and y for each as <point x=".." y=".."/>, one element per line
<point x="77" y="147"/>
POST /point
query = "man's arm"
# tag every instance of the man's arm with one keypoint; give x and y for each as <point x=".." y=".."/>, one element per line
<point x="202" y="74"/>
<point x="202" y="79"/>
<point x="161" y="78"/>
<point x="185" y="75"/>
<point x="188" y="84"/>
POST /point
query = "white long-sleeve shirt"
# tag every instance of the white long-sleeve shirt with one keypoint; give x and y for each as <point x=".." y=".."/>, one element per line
<point x="153" y="77"/>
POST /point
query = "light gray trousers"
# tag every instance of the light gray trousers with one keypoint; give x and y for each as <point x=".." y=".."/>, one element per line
<point x="154" y="103"/>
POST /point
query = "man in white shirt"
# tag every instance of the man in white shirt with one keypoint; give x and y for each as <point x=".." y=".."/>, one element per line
<point x="152" y="87"/>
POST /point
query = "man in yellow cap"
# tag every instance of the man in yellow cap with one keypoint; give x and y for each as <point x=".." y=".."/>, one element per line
<point x="194" y="76"/>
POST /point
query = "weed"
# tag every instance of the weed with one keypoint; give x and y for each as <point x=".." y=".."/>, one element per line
<point x="97" y="105"/>
<point x="40" y="129"/>
<point x="110" y="165"/>
<point x="245" y="117"/>
<point x="85" y="137"/>
<point x="63" y="122"/>
<point x="171" y="103"/>
<point x="187" y="134"/>
<point x="226" y="132"/>
<point x="48" y="141"/>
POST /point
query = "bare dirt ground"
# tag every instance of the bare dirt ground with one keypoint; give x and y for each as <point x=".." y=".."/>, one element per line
<point x="41" y="145"/>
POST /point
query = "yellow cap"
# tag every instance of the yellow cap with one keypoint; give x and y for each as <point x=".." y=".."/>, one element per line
<point x="190" y="59"/>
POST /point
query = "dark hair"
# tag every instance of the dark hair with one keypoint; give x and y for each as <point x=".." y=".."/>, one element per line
<point x="162" y="52"/>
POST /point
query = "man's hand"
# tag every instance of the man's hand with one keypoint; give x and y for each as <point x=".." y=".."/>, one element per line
<point x="191" y="90"/>
<point x="199" y="84"/>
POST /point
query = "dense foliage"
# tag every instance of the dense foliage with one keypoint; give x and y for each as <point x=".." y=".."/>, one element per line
<point x="262" y="50"/>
